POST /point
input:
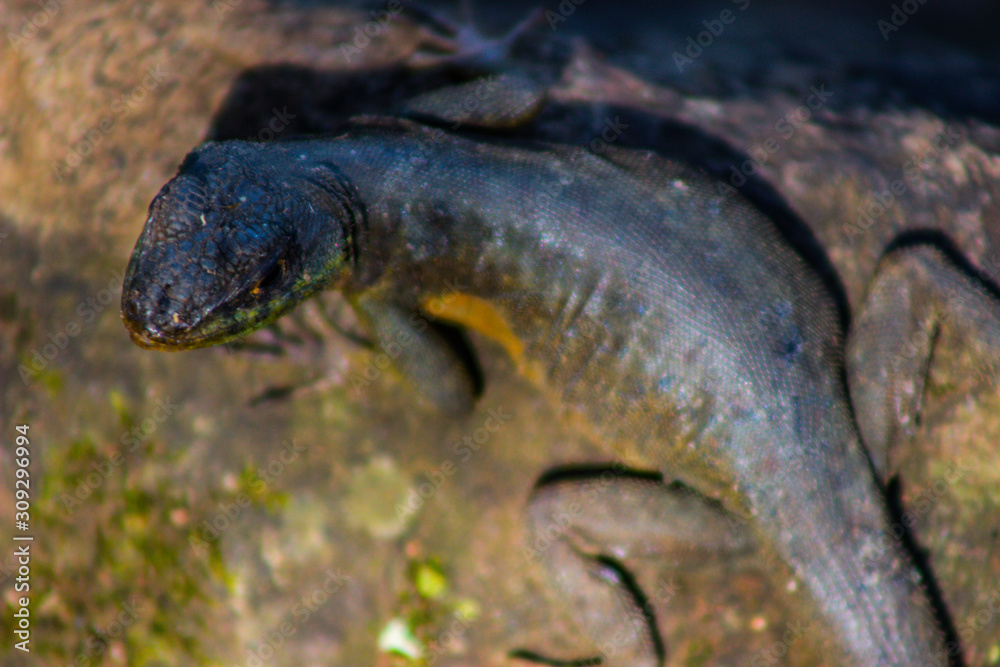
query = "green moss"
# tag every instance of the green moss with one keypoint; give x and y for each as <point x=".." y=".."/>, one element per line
<point x="123" y="524"/>
<point x="8" y="307"/>
<point x="429" y="616"/>
<point x="700" y="652"/>
<point x="429" y="579"/>
<point x="378" y="499"/>
<point x="261" y="493"/>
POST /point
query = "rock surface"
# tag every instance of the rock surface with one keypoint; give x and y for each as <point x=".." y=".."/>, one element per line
<point x="211" y="506"/>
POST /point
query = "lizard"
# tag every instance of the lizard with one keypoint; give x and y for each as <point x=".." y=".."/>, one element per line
<point x="668" y="316"/>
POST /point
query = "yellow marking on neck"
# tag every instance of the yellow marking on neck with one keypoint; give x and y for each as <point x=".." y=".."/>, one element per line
<point x="479" y="314"/>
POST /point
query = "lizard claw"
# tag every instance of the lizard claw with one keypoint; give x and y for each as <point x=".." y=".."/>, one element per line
<point x="462" y="42"/>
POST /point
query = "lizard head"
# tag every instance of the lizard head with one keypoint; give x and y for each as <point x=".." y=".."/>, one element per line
<point x="239" y="236"/>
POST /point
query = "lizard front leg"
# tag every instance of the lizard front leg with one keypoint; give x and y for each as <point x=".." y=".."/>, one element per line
<point x="582" y="527"/>
<point x="418" y="349"/>
<point x="916" y="290"/>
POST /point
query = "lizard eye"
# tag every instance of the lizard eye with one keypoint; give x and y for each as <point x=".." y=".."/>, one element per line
<point x="272" y="278"/>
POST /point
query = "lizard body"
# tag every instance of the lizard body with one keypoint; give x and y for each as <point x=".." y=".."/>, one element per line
<point x="669" y="317"/>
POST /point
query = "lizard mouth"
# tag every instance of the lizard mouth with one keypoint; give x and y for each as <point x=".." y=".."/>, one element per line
<point x="148" y="336"/>
<point x="166" y="329"/>
<point x="148" y="331"/>
<point x="156" y="321"/>
<point x="148" y="342"/>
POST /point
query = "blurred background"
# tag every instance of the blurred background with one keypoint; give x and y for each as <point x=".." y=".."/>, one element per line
<point x="255" y="503"/>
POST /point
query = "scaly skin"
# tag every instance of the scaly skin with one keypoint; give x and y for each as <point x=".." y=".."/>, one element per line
<point x="659" y="310"/>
